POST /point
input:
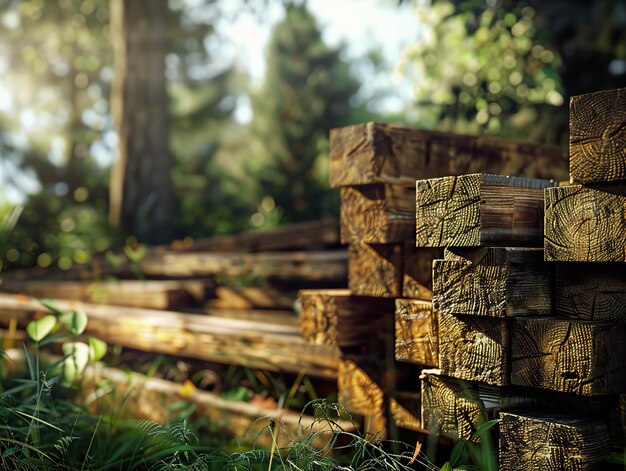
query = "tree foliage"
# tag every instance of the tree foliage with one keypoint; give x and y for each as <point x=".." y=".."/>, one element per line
<point x="306" y="92"/>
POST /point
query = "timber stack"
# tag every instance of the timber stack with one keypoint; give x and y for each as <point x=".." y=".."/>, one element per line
<point x="384" y="323"/>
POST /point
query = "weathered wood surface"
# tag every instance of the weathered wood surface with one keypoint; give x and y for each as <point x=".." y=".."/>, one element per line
<point x="493" y="281"/>
<point x="361" y="391"/>
<point x="378" y="153"/>
<point x="262" y="345"/>
<point x="541" y="441"/>
<point x="379" y="394"/>
<point x="418" y="270"/>
<point x="475" y="348"/>
<point x="456" y="407"/>
<point x="591" y="291"/>
<point x="251" y="297"/>
<point x="377" y="214"/>
<point x="300" y="236"/>
<point x="584" y="224"/>
<point x="375" y="270"/>
<point x="152" y="294"/>
<point x="327" y="269"/>
<point x="336" y="317"/>
<point x="272" y="317"/>
<point x="597" y="140"/>
<point x="573" y="356"/>
<point x="416" y="339"/>
<point x="406" y="410"/>
<point x="479" y="210"/>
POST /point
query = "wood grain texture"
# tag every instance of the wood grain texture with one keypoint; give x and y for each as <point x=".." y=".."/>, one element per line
<point x="362" y="389"/>
<point x="493" y="281"/>
<point x="377" y="214"/>
<point x="418" y="270"/>
<point x="456" y="408"/>
<point x="375" y="270"/>
<point x="479" y="210"/>
<point x="551" y="442"/>
<point x="300" y="236"/>
<point x="151" y="294"/>
<point x="416" y="339"/>
<point x="591" y="291"/>
<point x="597" y="141"/>
<point x="377" y="153"/>
<point x="336" y="317"/>
<point x="325" y="268"/>
<point x="475" y="348"/>
<point x="263" y="345"/>
<point x="406" y="409"/>
<point x="580" y="357"/>
<point x="584" y="224"/>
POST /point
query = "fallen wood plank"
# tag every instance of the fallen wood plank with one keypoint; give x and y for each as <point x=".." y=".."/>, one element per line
<point x="480" y="210"/>
<point x="151" y="294"/>
<point x="272" y="317"/>
<point x="377" y="214"/>
<point x="494" y="281"/>
<point x="591" y="291"/>
<point x="336" y="317"/>
<point x="417" y="337"/>
<point x="597" y="140"/>
<point x="375" y="270"/>
<point x="475" y="348"/>
<point x="328" y="269"/>
<point x="137" y="396"/>
<point x="580" y="357"/>
<point x="534" y="440"/>
<point x="300" y="236"/>
<point x="379" y="153"/>
<point x="261" y="345"/>
<point x="456" y="408"/>
<point x="251" y="297"/>
<point x="585" y="224"/>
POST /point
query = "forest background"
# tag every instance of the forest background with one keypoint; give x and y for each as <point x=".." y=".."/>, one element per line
<point x="129" y="121"/>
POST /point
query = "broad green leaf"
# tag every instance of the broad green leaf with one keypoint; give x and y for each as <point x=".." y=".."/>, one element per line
<point x="77" y="354"/>
<point x="457" y="453"/>
<point x="484" y="427"/>
<point x="50" y="306"/>
<point x="446" y="467"/>
<point x="75" y="321"/>
<point x="38" y="329"/>
<point x="97" y="349"/>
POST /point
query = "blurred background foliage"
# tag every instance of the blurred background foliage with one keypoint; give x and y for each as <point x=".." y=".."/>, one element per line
<point x="501" y="67"/>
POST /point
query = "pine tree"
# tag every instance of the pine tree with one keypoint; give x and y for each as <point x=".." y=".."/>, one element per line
<point x="306" y="92"/>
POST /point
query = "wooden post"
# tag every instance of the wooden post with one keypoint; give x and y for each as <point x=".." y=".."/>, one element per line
<point x="591" y="291"/>
<point x="377" y="153"/>
<point x="598" y="136"/>
<point x="377" y="214"/>
<point x="533" y="440"/>
<point x="474" y="348"/>
<point x="585" y="224"/>
<point x="494" y="281"/>
<point x="375" y="270"/>
<point x="574" y="356"/>
<point x="416" y="333"/>
<point x="479" y="210"/>
<point x="456" y="407"/>
<point x="336" y="317"/>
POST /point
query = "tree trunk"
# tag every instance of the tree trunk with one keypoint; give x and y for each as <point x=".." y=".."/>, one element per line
<point x="141" y="189"/>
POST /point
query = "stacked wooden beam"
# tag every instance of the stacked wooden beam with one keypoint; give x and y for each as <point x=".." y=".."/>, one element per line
<point x="534" y="336"/>
<point x="488" y="276"/>
<point x="375" y="167"/>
